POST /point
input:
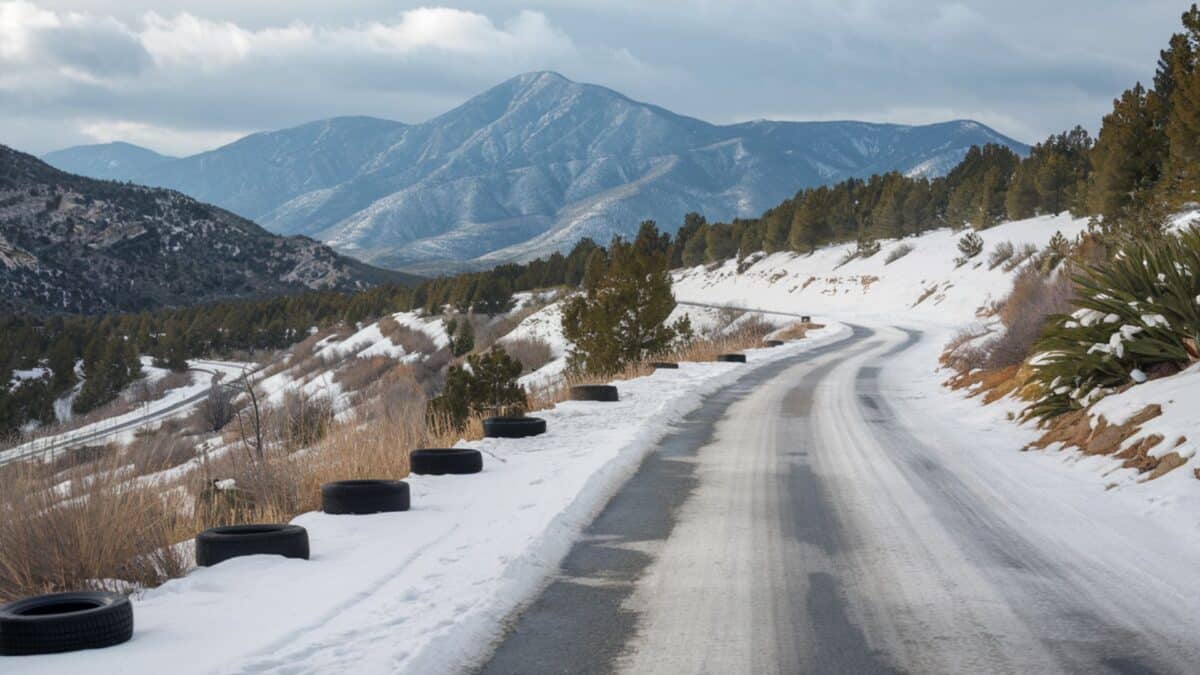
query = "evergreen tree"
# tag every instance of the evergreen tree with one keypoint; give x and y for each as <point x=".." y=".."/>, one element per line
<point x="620" y="318"/>
<point x="810" y="225"/>
<point x="1128" y="159"/>
<point x="1021" y="200"/>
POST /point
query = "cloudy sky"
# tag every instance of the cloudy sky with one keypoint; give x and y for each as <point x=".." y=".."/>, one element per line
<point x="181" y="77"/>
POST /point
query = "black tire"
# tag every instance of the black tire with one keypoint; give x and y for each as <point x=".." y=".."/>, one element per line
<point x="732" y="358"/>
<point x="773" y="343"/>
<point x="442" y="461"/>
<point x="513" y="427"/>
<point x="664" y="365"/>
<point x="605" y="393"/>
<point x="359" y="497"/>
<point x="222" y="543"/>
<point x="64" y="622"/>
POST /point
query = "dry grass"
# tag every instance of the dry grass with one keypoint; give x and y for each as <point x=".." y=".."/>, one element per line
<point x="796" y="331"/>
<point x="359" y="373"/>
<point x="412" y="341"/>
<point x="159" y="449"/>
<point x="104" y="537"/>
<point x="108" y="531"/>
<point x="531" y="352"/>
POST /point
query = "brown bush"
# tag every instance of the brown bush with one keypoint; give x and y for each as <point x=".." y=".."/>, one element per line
<point x="159" y="449"/>
<point x="796" y="331"/>
<point x="358" y="373"/>
<point x="412" y="341"/>
<point x="108" y="536"/>
<point x="531" y="352"/>
<point x="962" y="353"/>
<point x="1033" y="299"/>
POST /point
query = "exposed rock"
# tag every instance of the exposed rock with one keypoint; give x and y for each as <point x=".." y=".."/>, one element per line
<point x="77" y="245"/>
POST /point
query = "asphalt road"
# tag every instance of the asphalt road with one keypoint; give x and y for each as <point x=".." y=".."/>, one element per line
<point x="100" y="432"/>
<point x="792" y="525"/>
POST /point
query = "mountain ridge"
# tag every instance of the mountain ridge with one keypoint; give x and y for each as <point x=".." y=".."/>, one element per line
<point x="70" y="244"/>
<point x="533" y="164"/>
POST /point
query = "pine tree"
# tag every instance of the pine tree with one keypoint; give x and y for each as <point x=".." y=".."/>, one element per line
<point x="719" y="243"/>
<point x="1127" y="159"/>
<point x="620" y="318"/>
<point x="1021" y="201"/>
<point x="810" y="225"/>
<point x="1178" y="85"/>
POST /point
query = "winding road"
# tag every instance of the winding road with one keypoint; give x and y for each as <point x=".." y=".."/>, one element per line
<point x="106" y="429"/>
<point x="820" y="517"/>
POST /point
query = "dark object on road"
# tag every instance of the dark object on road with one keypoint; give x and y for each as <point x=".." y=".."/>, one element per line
<point x="222" y="543"/>
<point x="732" y="358"/>
<point x="441" y="461"/>
<point x="513" y="427"/>
<point x="65" y="622"/>
<point x="773" y="343"/>
<point x="358" y="497"/>
<point x="605" y="393"/>
<point x="805" y="319"/>
<point x="659" y="365"/>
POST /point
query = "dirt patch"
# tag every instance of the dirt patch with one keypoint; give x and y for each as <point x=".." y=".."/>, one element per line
<point x="1074" y="429"/>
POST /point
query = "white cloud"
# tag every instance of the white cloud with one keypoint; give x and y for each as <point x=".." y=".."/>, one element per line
<point x="192" y="70"/>
<point x="165" y="139"/>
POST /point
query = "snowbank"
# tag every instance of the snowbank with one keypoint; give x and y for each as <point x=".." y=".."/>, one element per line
<point x="423" y="591"/>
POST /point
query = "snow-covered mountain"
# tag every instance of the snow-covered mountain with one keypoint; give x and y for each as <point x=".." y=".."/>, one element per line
<point x="106" y="161"/>
<point x="533" y="165"/>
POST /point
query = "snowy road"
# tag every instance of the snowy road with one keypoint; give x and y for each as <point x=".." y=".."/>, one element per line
<point x="834" y="513"/>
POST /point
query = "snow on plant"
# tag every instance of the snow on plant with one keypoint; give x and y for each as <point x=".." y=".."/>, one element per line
<point x="1136" y="318"/>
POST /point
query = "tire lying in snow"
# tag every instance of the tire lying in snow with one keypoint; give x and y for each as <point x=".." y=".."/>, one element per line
<point x="663" y="365"/>
<point x="606" y="393"/>
<point x="64" y="622"/>
<point x="442" y="461"/>
<point x="222" y="543"/>
<point x="358" y="497"/>
<point x="773" y="343"/>
<point x="513" y="427"/>
<point x="732" y="358"/>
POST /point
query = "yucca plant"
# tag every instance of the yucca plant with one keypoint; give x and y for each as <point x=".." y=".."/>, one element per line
<point x="1137" y="313"/>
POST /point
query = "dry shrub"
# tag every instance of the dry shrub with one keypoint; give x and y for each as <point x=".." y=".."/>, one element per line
<point x="1022" y="254"/>
<point x="897" y="253"/>
<point x="358" y="373"/>
<point x="1003" y="251"/>
<point x="217" y="409"/>
<point x="1034" y="298"/>
<point x="110" y="535"/>
<point x="301" y="419"/>
<point x="796" y="331"/>
<point x="159" y="449"/>
<point x="531" y="352"/>
<point x="962" y="353"/>
<point x="412" y="341"/>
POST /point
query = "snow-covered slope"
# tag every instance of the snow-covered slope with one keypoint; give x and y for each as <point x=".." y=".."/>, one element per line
<point x="531" y="166"/>
<point x="924" y="283"/>
<point x="924" y="290"/>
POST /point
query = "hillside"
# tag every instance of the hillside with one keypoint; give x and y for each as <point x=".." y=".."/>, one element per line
<point x="531" y="166"/>
<point x="77" y="245"/>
